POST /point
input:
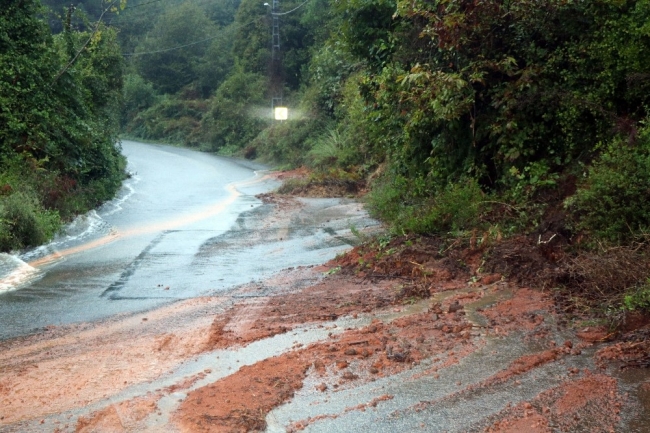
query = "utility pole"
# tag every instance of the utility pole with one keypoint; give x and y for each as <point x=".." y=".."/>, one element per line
<point x="276" y="59"/>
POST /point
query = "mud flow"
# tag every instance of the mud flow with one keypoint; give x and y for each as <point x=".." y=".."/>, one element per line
<point x="330" y="348"/>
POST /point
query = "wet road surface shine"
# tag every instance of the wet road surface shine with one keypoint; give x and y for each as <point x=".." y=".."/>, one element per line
<point x="167" y="236"/>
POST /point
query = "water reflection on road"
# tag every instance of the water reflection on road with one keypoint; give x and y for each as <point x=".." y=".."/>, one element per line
<point x="176" y="230"/>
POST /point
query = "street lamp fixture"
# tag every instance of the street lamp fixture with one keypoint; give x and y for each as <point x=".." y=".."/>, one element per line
<point x="281" y="113"/>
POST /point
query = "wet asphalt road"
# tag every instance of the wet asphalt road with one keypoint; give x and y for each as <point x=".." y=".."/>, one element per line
<point x="185" y="224"/>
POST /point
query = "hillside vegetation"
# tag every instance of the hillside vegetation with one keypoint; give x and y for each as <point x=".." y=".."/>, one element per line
<point x="59" y="103"/>
<point x="466" y="119"/>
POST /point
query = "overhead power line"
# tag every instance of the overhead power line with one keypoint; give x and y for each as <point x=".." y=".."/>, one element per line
<point x="172" y="48"/>
<point x="164" y="50"/>
<point x="130" y="18"/>
<point x="292" y="10"/>
<point x="142" y="4"/>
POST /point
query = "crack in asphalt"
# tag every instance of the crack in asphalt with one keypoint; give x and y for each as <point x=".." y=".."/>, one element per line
<point x="131" y="268"/>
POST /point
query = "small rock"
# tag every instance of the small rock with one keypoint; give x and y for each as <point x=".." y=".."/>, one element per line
<point x="342" y="364"/>
<point x="373" y="370"/>
<point x="490" y="279"/>
<point x="350" y="351"/>
<point x="568" y="344"/>
<point x="322" y="387"/>
<point x="455" y="306"/>
<point x="348" y="375"/>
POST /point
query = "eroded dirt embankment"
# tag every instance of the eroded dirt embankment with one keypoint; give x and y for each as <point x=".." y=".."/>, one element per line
<point x="341" y="347"/>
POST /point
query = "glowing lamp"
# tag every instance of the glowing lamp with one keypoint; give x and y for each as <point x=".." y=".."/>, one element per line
<point x="281" y="113"/>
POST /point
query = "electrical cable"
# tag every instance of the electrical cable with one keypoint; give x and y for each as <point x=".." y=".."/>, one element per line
<point x="206" y="39"/>
<point x="292" y="10"/>
<point x="191" y="43"/>
<point x="142" y="4"/>
<point x="122" y="18"/>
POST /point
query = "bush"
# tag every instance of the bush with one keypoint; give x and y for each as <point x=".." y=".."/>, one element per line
<point x="24" y="223"/>
<point x="287" y="143"/>
<point x="236" y="112"/>
<point x="138" y="94"/>
<point x="638" y="299"/>
<point x="613" y="203"/>
<point x="457" y="207"/>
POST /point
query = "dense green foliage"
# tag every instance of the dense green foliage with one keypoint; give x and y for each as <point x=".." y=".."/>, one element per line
<point x="447" y="106"/>
<point x="59" y="105"/>
<point x="464" y="117"/>
<point x="613" y="200"/>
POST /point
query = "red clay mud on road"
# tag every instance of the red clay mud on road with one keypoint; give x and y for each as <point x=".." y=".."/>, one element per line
<point x="48" y="381"/>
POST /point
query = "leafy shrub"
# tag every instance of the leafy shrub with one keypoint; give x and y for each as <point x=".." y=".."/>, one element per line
<point x="613" y="202"/>
<point x="457" y="207"/>
<point x="327" y="149"/>
<point x="138" y="94"/>
<point x="232" y="119"/>
<point x="638" y="299"/>
<point x="388" y="198"/>
<point x="23" y="222"/>
<point x="400" y="202"/>
<point x="170" y="119"/>
<point x="287" y="143"/>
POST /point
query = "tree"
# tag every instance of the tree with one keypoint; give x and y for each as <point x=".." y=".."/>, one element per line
<point x="509" y="93"/>
<point x="232" y="120"/>
<point x="169" y="68"/>
<point x="59" y="101"/>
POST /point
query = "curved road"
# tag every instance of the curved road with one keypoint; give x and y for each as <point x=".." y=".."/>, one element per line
<point x="167" y="236"/>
